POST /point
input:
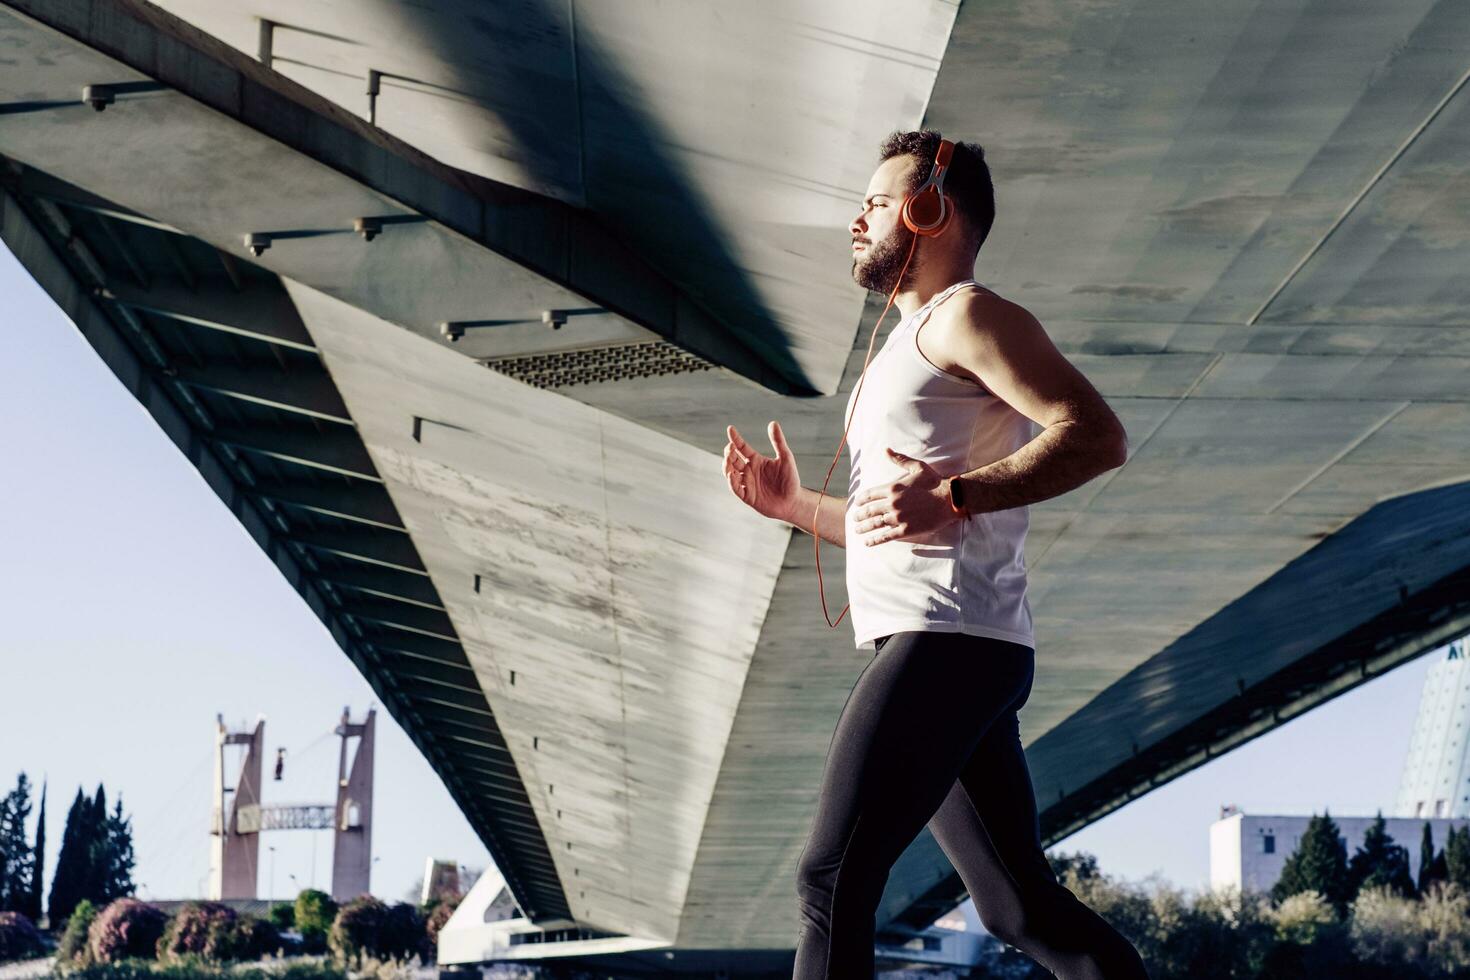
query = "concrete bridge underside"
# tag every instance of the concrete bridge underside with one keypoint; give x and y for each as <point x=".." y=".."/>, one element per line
<point x="1251" y="234"/>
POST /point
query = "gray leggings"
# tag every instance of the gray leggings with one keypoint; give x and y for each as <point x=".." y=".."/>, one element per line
<point x="929" y="734"/>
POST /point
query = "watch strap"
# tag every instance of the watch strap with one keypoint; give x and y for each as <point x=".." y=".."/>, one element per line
<point x="957" y="497"/>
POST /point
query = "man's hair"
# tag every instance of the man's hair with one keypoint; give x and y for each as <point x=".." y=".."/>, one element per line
<point x="967" y="181"/>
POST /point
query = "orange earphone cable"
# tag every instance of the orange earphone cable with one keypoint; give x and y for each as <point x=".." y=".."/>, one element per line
<point x="857" y="392"/>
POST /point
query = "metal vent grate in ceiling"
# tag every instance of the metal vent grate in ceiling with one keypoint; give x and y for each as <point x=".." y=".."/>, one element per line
<point x="623" y="362"/>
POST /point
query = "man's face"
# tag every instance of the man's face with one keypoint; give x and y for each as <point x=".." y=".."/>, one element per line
<point x="880" y="239"/>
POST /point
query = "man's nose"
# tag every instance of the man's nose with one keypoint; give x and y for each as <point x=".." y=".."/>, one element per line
<point x="857" y="225"/>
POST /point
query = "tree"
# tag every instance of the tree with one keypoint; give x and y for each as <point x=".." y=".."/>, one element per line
<point x="1426" y="859"/>
<point x="1319" y="863"/>
<point x="16" y="859"/>
<point x="1456" y="857"/>
<point x="114" y="861"/>
<point x="314" y="913"/>
<point x="93" y="883"/>
<point x="1082" y="864"/>
<point x="1379" y="861"/>
<point x="67" y="885"/>
<point x="38" y="863"/>
<point x="96" y="860"/>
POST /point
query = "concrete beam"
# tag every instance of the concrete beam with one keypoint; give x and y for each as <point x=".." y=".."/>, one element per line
<point x="305" y="392"/>
<point x="366" y="503"/>
<point x="414" y="645"/>
<point x="365" y="545"/>
<point x="255" y="312"/>
<point x="459" y="675"/>
<point x="396" y="615"/>
<point x="331" y="451"/>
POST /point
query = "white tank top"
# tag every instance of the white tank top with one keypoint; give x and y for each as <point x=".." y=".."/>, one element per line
<point x="970" y="575"/>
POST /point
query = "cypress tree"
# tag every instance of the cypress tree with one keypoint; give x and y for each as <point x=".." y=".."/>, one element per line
<point x="6" y="819"/>
<point x="115" y="868"/>
<point x="1319" y="863"/>
<point x="71" y="863"/>
<point x="1426" y="858"/>
<point x="1456" y="857"/>
<point x="15" y="852"/>
<point x="32" y="908"/>
<point x="94" y="884"/>
<point x="1379" y="861"/>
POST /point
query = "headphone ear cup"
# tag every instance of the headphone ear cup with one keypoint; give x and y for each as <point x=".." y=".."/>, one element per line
<point x="926" y="213"/>
<point x="921" y="211"/>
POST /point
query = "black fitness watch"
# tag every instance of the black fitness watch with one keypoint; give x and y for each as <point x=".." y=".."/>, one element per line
<point x="957" y="497"/>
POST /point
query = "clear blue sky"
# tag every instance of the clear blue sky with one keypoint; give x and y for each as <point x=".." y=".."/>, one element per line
<point x="136" y="608"/>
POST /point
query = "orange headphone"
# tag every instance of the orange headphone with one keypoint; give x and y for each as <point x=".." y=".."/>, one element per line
<point x="925" y="212"/>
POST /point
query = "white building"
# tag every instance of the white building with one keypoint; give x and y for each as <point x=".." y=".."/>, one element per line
<point x="1436" y="776"/>
<point x="1249" y="850"/>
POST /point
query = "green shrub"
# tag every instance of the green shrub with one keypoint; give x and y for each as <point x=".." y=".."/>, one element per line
<point x="1444" y="915"/>
<point x="73" y="945"/>
<point x="283" y="917"/>
<point x="1303" y="918"/>
<point x="19" y="938"/>
<point x="126" y="928"/>
<point x="314" y="910"/>
<point x="314" y="914"/>
<point x="403" y="936"/>
<point x="250" y="939"/>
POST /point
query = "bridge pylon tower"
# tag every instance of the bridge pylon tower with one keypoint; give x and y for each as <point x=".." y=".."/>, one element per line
<point x="239" y="818"/>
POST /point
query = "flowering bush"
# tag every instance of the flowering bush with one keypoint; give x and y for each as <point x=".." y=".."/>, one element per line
<point x="125" y="928"/>
<point x="198" y="969"/>
<point x="189" y="930"/>
<point x="213" y="931"/>
<point x="435" y="924"/>
<point x="355" y="931"/>
<point x="19" y="938"/>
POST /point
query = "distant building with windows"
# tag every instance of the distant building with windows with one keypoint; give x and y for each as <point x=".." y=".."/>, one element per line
<point x="1436" y="776"/>
<point x="1249" y="850"/>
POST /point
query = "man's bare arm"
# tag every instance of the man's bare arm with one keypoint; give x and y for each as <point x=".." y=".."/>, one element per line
<point x="1005" y="346"/>
<point x="1063" y="457"/>
<point x="831" y="520"/>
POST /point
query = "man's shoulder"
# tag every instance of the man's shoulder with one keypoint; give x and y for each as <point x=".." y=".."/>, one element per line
<point x="976" y="312"/>
<point x="979" y="299"/>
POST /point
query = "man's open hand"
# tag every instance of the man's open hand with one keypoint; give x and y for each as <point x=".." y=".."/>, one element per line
<point x="916" y="503"/>
<point x="768" y="485"/>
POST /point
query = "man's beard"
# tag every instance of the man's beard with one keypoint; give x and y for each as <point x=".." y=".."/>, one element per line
<point x="878" y="267"/>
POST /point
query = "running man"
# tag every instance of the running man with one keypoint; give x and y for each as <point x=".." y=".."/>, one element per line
<point x="943" y="467"/>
